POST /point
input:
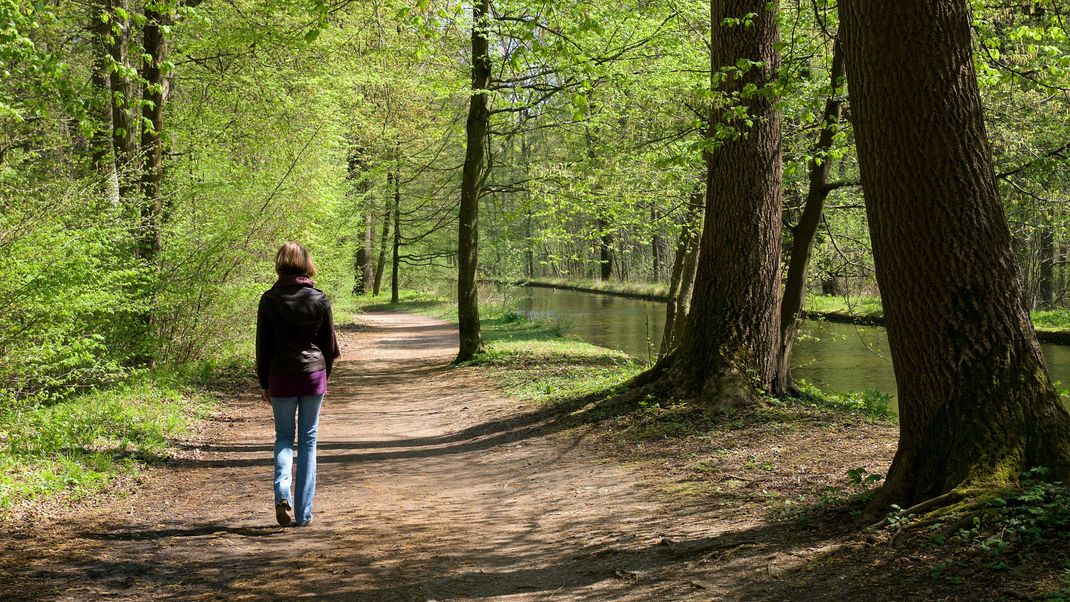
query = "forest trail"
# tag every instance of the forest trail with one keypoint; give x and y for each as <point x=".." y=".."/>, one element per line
<point x="431" y="487"/>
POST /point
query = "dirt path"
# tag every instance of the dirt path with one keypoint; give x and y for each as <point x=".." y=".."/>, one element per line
<point x="431" y="487"/>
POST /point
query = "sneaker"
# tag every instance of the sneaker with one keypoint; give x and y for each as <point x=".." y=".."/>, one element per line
<point x="282" y="513"/>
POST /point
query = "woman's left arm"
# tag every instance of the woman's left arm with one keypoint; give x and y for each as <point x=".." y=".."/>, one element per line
<point x="326" y="339"/>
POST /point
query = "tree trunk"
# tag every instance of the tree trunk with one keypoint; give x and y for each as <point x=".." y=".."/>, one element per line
<point x="363" y="267"/>
<point x="976" y="403"/>
<point x="155" y="94"/>
<point x="1046" y="276"/>
<point x="381" y="264"/>
<point x="471" y="341"/>
<point x="122" y="101"/>
<point x="806" y="230"/>
<point x="682" y="281"/>
<point x="688" y="272"/>
<point x="657" y="244"/>
<point x="395" y="263"/>
<point x="728" y="346"/>
<point x="102" y="142"/>
<point x="605" y="255"/>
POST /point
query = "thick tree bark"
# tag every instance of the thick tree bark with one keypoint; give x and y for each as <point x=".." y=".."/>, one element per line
<point x="681" y="283"/>
<point x="806" y="230"/>
<point x="155" y="94"/>
<point x="383" y="238"/>
<point x="728" y="346"/>
<point x="122" y="102"/>
<point x="471" y="340"/>
<point x="395" y="263"/>
<point x="976" y="403"/>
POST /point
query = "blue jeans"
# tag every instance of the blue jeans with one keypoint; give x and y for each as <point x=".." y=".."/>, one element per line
<point x="307" y="409"/>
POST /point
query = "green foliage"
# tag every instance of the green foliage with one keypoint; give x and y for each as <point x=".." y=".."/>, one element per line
<point x="870" y="404"/>
<point x="77" y="446"/>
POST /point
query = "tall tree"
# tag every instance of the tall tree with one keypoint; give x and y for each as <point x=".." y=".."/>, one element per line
<point x="154" y="74"/>
<point x="395" y="263"/>
<point x="975" y="400"/>
<point x="728" y="346"/>
<point x="472" y="178"/>
<point x="804" y="232"/>
<point x="122" y="95"/>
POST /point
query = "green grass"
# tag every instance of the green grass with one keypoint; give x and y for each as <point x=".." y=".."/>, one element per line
<point x="867" y="307"/>
<point x="870" y="404"/>
<point x="1051" y="319"/>
<point x="78" y="446"/>
<point x="530" y="359"/>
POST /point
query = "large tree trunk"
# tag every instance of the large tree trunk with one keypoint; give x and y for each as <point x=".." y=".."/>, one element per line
<point x="155" y="94"/>
<point x="729" y="343"/>
<point x="681" y="283"/>
<point x="122" y="102"/>
<point x="383" y="238"/>
<point x="976" y="404"/>
<point x="395" y="263"/>
<point x="806" y="230"/>
<point x="471" y="341"/>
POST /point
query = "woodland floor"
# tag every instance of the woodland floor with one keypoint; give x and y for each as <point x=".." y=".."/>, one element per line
<point x="435" y="486"/>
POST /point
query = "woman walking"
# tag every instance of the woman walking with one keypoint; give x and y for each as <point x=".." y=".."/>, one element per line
<point x="295" y="350"/>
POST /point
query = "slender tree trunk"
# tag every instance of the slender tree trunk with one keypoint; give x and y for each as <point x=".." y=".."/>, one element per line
<point x="728" y="347"/>
<point x="122" y="102"/>
<point x="976" y="403"/>
<point x="605" y="254"/>
<point x="102" y="142"/>
<point x="471" y="340"/>
<point x="363" y="268"/>
<point x="657" y="244"/>
<point x="155" y="94"/>
<point x="806" y="230"/>
<point x="682" y="281"/>
<point x="381" y="264"/>
<point x="395" y="264"/>
<point x="1046" y="267"/>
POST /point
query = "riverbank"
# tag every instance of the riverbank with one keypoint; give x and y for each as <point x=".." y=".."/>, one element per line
<point x="1052" y="326"/>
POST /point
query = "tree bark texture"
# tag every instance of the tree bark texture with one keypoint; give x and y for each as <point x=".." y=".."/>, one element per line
<point x="805" y="231"/>
<point x="976" y="403"/>
<point x="155" y="94"/>
<point x="728" y="347"/>
<point x="471" y="340"/>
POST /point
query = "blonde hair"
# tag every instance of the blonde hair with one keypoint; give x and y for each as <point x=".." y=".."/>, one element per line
<point x="293" y="260"/>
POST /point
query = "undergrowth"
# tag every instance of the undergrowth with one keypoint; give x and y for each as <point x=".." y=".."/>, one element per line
<point x="77" y="446"/>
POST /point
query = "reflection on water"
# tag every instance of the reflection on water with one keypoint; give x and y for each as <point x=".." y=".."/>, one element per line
<point x="835" y="357"/>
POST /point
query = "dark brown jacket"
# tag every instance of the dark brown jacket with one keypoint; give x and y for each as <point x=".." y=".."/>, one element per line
<point x="294" y="330"/>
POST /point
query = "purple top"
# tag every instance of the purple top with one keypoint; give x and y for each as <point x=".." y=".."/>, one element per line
<point x="295" y="385"/>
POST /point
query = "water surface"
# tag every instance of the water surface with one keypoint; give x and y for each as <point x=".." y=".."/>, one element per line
<point x="835" y="357"/>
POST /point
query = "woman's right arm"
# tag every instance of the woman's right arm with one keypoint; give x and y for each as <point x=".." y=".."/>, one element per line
<point x="264" y="344"/>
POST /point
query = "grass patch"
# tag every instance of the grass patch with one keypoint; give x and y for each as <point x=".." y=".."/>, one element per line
<point x="870" y="404"/>
<point x="865" y="306"/>
<point x="78" y="446"/>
